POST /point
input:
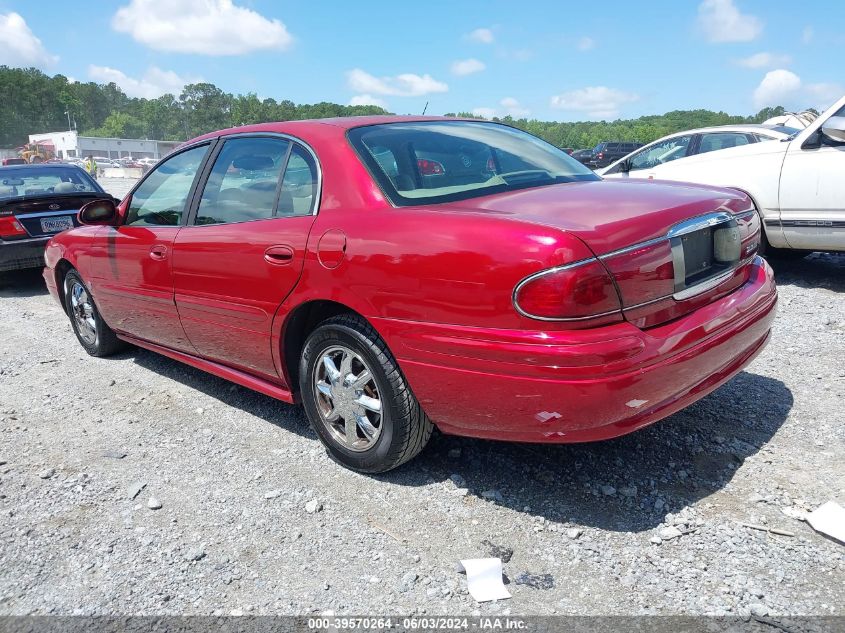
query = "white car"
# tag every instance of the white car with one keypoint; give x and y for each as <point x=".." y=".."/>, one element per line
<point x="797" y="183"/>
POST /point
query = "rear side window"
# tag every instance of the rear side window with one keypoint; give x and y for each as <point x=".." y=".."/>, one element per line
<point x="244" y="183"/>
<point x="722" y="140"/>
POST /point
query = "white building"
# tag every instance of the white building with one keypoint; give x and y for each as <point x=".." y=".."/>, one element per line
<point x="70" y="145"/>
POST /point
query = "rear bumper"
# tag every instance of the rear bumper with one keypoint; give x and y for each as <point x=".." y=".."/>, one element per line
<point x="576" y="386"/>
<point x="20" y="254"/>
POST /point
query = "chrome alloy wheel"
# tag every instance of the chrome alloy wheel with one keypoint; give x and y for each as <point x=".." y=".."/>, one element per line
<point x="82" y="311"/>
<point x="348" y="398"/>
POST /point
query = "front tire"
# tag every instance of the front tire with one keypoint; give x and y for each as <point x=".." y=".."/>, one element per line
<point x="357" y="399"/>
<point x="95" y="336"/>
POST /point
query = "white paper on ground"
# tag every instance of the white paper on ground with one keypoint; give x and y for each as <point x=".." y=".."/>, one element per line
<point x="484" y="578"/>
<point x="829" y="519"/>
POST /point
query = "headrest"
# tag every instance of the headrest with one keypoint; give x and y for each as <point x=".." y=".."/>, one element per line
<point x="253" y="163"/>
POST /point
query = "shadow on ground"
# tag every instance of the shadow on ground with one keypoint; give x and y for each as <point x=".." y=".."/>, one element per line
<point x="817" y="270"/>
<point x="672" y="463"/>
<point x="22" y="283"/>
<point x="288" y="417"/>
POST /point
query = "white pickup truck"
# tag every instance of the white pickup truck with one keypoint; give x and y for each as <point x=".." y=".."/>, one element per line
<point x="797" y="183"/>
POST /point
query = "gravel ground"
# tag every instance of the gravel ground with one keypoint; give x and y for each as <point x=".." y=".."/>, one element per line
<point x="137" y="485"/>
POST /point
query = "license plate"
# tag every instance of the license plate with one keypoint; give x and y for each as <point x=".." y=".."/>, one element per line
<point x="54" y="225"/>
<point x="698" y="253"/>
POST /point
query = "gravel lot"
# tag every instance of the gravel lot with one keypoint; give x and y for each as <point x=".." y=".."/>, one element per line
<point x="117" y="187"/>
<point x="254" y="517"/>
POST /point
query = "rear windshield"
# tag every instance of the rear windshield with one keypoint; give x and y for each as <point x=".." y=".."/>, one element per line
<point x="443" y="161"/>
<point x="44" y="182"/>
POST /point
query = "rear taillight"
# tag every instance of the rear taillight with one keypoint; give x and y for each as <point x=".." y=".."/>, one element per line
<point x="430" y="167"/>
<point x="582" y="293"/>
<point x="10" y="227"/>
<point x="600" y="155"/>
<point x="643" y="273"/>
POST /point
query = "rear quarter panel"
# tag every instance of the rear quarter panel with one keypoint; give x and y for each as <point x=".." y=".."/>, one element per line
<point x="430" y="265"/>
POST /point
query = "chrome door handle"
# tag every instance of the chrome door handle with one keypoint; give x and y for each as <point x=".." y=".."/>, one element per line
<point x="158" y="252"/>
<point x="279" y="255"/>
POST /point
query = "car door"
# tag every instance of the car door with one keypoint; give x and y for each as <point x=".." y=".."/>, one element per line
<point x="812" y="190"/>
<point x="243" y="249"/>
<point x="132" y="267"/>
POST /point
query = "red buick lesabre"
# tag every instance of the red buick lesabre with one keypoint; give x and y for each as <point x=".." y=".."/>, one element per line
<point x="399" y="273"/>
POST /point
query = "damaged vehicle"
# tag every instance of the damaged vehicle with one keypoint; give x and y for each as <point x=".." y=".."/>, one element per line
<point x="396" y="274"/>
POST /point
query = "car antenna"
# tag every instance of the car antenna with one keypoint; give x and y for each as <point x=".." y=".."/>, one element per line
<point x="424" y="109"/>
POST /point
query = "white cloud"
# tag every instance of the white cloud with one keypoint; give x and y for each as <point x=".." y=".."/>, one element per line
<point x="721" y="21"/>
<point x="404" y="85"/>
<point x="509" y="107"/>
<point x="205" y="27"/>
<point x="484" y="113"/>
<point x="365" y="99"/>
<point x="18" y="44"/>
<point x="764" y="60"/>
<point x="482" y="36"/>
<point x="598" y="102"/>
<point x="152" y="85"/>
<point x="779" y="87"/>
<point x="514" y="108"/>
<point x="463" y="67"/>
<point x="519" y="54"/>
<point x="784" y="87"/>
<point x="586" y="44"/>
<point x="808" y="34"/>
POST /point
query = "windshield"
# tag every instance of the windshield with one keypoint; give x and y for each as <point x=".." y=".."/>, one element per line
<point x="443" y="161"/>
<point x="44" y="182"/>
<point x="784" y="129"/>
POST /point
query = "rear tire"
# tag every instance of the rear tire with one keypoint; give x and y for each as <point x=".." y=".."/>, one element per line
<point x="357" y="399"/>
<point x="95" y="336"/>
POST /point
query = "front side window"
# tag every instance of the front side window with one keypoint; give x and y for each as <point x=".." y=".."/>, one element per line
<point x="161" y="198"/>
<point x="721" y="140"/>
<point x="442" y="161"/>
<point x="659" y="153"/>
<point x="244" y="183"/>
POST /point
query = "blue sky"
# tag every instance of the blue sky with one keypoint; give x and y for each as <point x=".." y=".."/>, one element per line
<point x="550" y="60"/>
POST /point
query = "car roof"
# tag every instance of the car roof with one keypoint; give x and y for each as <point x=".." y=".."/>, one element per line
<point x="736" y="127"/>
<point x="303" y="127"/>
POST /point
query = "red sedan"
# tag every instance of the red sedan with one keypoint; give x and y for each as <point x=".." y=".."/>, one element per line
<point x="394" y="274"/>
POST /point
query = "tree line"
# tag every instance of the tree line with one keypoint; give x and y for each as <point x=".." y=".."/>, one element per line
<point x="34" y="102"/>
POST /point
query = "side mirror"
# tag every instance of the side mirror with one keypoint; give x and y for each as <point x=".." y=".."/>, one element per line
<point x="98" y="213"/>
<point x="624" y="166"/>
<point x="834" y="128"/>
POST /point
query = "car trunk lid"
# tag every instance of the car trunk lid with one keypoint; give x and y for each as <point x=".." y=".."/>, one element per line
<point x="669" y="247"/>
<point x="607" y="215"/>
<point x="42" y="217"/>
